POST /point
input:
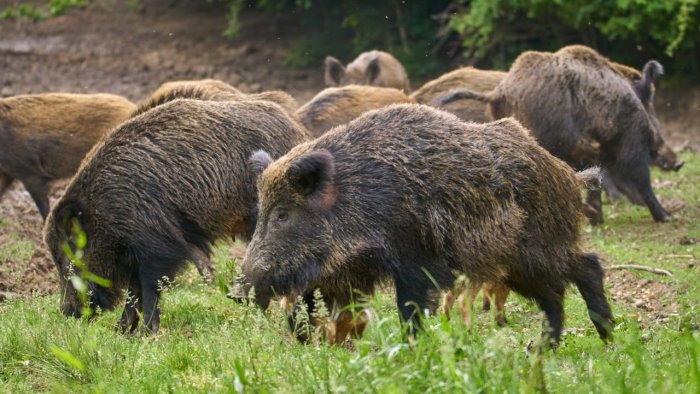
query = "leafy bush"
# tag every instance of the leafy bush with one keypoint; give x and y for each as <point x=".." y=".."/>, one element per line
<point x="30" y="11"/>
<point x="630" y="31"/>
<point x="344" y="29"/>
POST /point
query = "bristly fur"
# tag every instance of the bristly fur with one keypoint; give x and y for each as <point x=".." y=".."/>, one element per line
<point x="420" y="196"/>
<point x="212" y="90"/>
<point x="375" y="68"/>
<point x="467" y="78"/>
<point x="44" y="137"/>
<point x="160" y="189"/>
<point x="335" y="106"/>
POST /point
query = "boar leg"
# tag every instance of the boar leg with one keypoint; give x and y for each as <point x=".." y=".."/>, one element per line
<point x="38" y="188"/>
<point x="593" y="208"/>
<point x="501" y="292"/>
<point x="657" y="211"/>
<point x="550" y="301"/>
<point x="589" y="280"/>
<point x="5" y="181"/>
<point x="467" y="303"/>
<point x="301" y="329"/>
<point x="203" y="264"/>
<point x="349" y="323"/>
<point x="130" y="317"/>
<point x="412" y="298"/>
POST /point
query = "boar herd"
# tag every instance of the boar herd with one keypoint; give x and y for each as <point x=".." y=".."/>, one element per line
<point x="365" y="184"/>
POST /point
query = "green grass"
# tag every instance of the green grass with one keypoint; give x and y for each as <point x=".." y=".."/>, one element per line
<point x="209" y="344"/>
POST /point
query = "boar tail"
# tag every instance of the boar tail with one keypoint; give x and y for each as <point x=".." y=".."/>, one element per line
<point x="652" y="72"/>
<point x="460" y="94"/>
<point x="590" y="178"/>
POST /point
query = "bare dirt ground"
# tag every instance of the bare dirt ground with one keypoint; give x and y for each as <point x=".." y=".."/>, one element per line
<point x="110" y="47"/>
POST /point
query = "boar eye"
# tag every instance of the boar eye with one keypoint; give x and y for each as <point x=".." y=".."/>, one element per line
<point x="282" y="215"/>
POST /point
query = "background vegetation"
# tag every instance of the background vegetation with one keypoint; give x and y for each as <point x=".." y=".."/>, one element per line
<point x="429" y="36"/>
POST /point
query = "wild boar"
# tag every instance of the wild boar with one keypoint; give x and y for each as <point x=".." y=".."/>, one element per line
<point x="414" y="195"/>
<point x="158" y="191"/>
<point x="374" y="68"/>
<point x="587" y="101"/>
<point x="214" y="90"/>
<point x="466" y="77"/>
<point x="336" y="106"/>
<point x="44" y="137"/>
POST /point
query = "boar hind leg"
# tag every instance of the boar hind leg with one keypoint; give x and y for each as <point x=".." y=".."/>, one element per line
<point x="133" y="306"/>
<point x="5" y="181"/>
<point x="203" y="264"/>
<point x="551" y="300"/>
<point x="593" y="208"/>
<point x="38" y="188"/>
<point x="498" y="293"/>
<point x="589" y="280"/>
<point x="151" y="311"/>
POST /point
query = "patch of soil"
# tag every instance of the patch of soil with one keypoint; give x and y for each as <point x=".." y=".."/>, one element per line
<point x="654" y="300"/>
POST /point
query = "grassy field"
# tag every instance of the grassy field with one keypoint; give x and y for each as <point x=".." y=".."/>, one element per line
<point x="207" y="343"/>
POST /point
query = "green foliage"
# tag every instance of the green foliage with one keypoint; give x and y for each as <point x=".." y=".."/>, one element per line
<point x="346" y="28"/>
<point x="624" y="29"/>
<point x="32" y="12"/>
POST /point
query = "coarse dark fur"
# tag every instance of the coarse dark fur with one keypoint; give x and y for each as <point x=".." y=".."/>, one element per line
<point x="468" y="78"/>
<point x="376" y="68"/>
<point x="336" y="106"/>
<point x="159" y="190"/>
<point x="591" y="114"/>
<point x="415" y="195"/>
<point x="213" y="90"/>
<point x="44" y="137"/>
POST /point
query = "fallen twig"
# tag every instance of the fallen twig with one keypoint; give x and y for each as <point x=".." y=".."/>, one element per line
<point x="657" y="271"/>
<point x="678" y="256"/>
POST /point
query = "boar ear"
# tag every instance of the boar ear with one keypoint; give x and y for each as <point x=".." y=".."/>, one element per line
<point x="334" y="71"/>
<point x="651" y="75"/>
<point x="313" y="176"/>
<point x="259" y="161"/>
<point x="372" y="70"/>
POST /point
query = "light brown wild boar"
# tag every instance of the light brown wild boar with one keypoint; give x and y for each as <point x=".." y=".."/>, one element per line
<point x="336" y="106"/>
<point x="415" y="195"/>
<point x="375" y="68"/>
<point x="44" y="137"/>
<point x="214" y="90"/>
<point x="465" y="77"/>
<point x="158" y="191"/>
<point x="587" y="99"/>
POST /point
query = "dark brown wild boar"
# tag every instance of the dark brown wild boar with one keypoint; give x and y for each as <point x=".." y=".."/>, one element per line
<point x="214" y="90"/>
<point x="374" y="68"/>
<point x="44" y="137"/>
<point x="588" y="103"/>
<point x="466" y="77"/>
<point x="336" y="106"/>
<point x="415" y="195"/>
<point x="158" y="191"/>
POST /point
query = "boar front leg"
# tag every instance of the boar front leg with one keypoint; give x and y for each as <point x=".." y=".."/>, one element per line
<point x="133" y="306"/>
<point x="39" y="190"/>
<point x="412" y="298"/>
<point x="5" y="181"/>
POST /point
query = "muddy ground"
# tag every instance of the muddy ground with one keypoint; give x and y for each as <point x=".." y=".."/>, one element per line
<point x="111" y="47"/>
